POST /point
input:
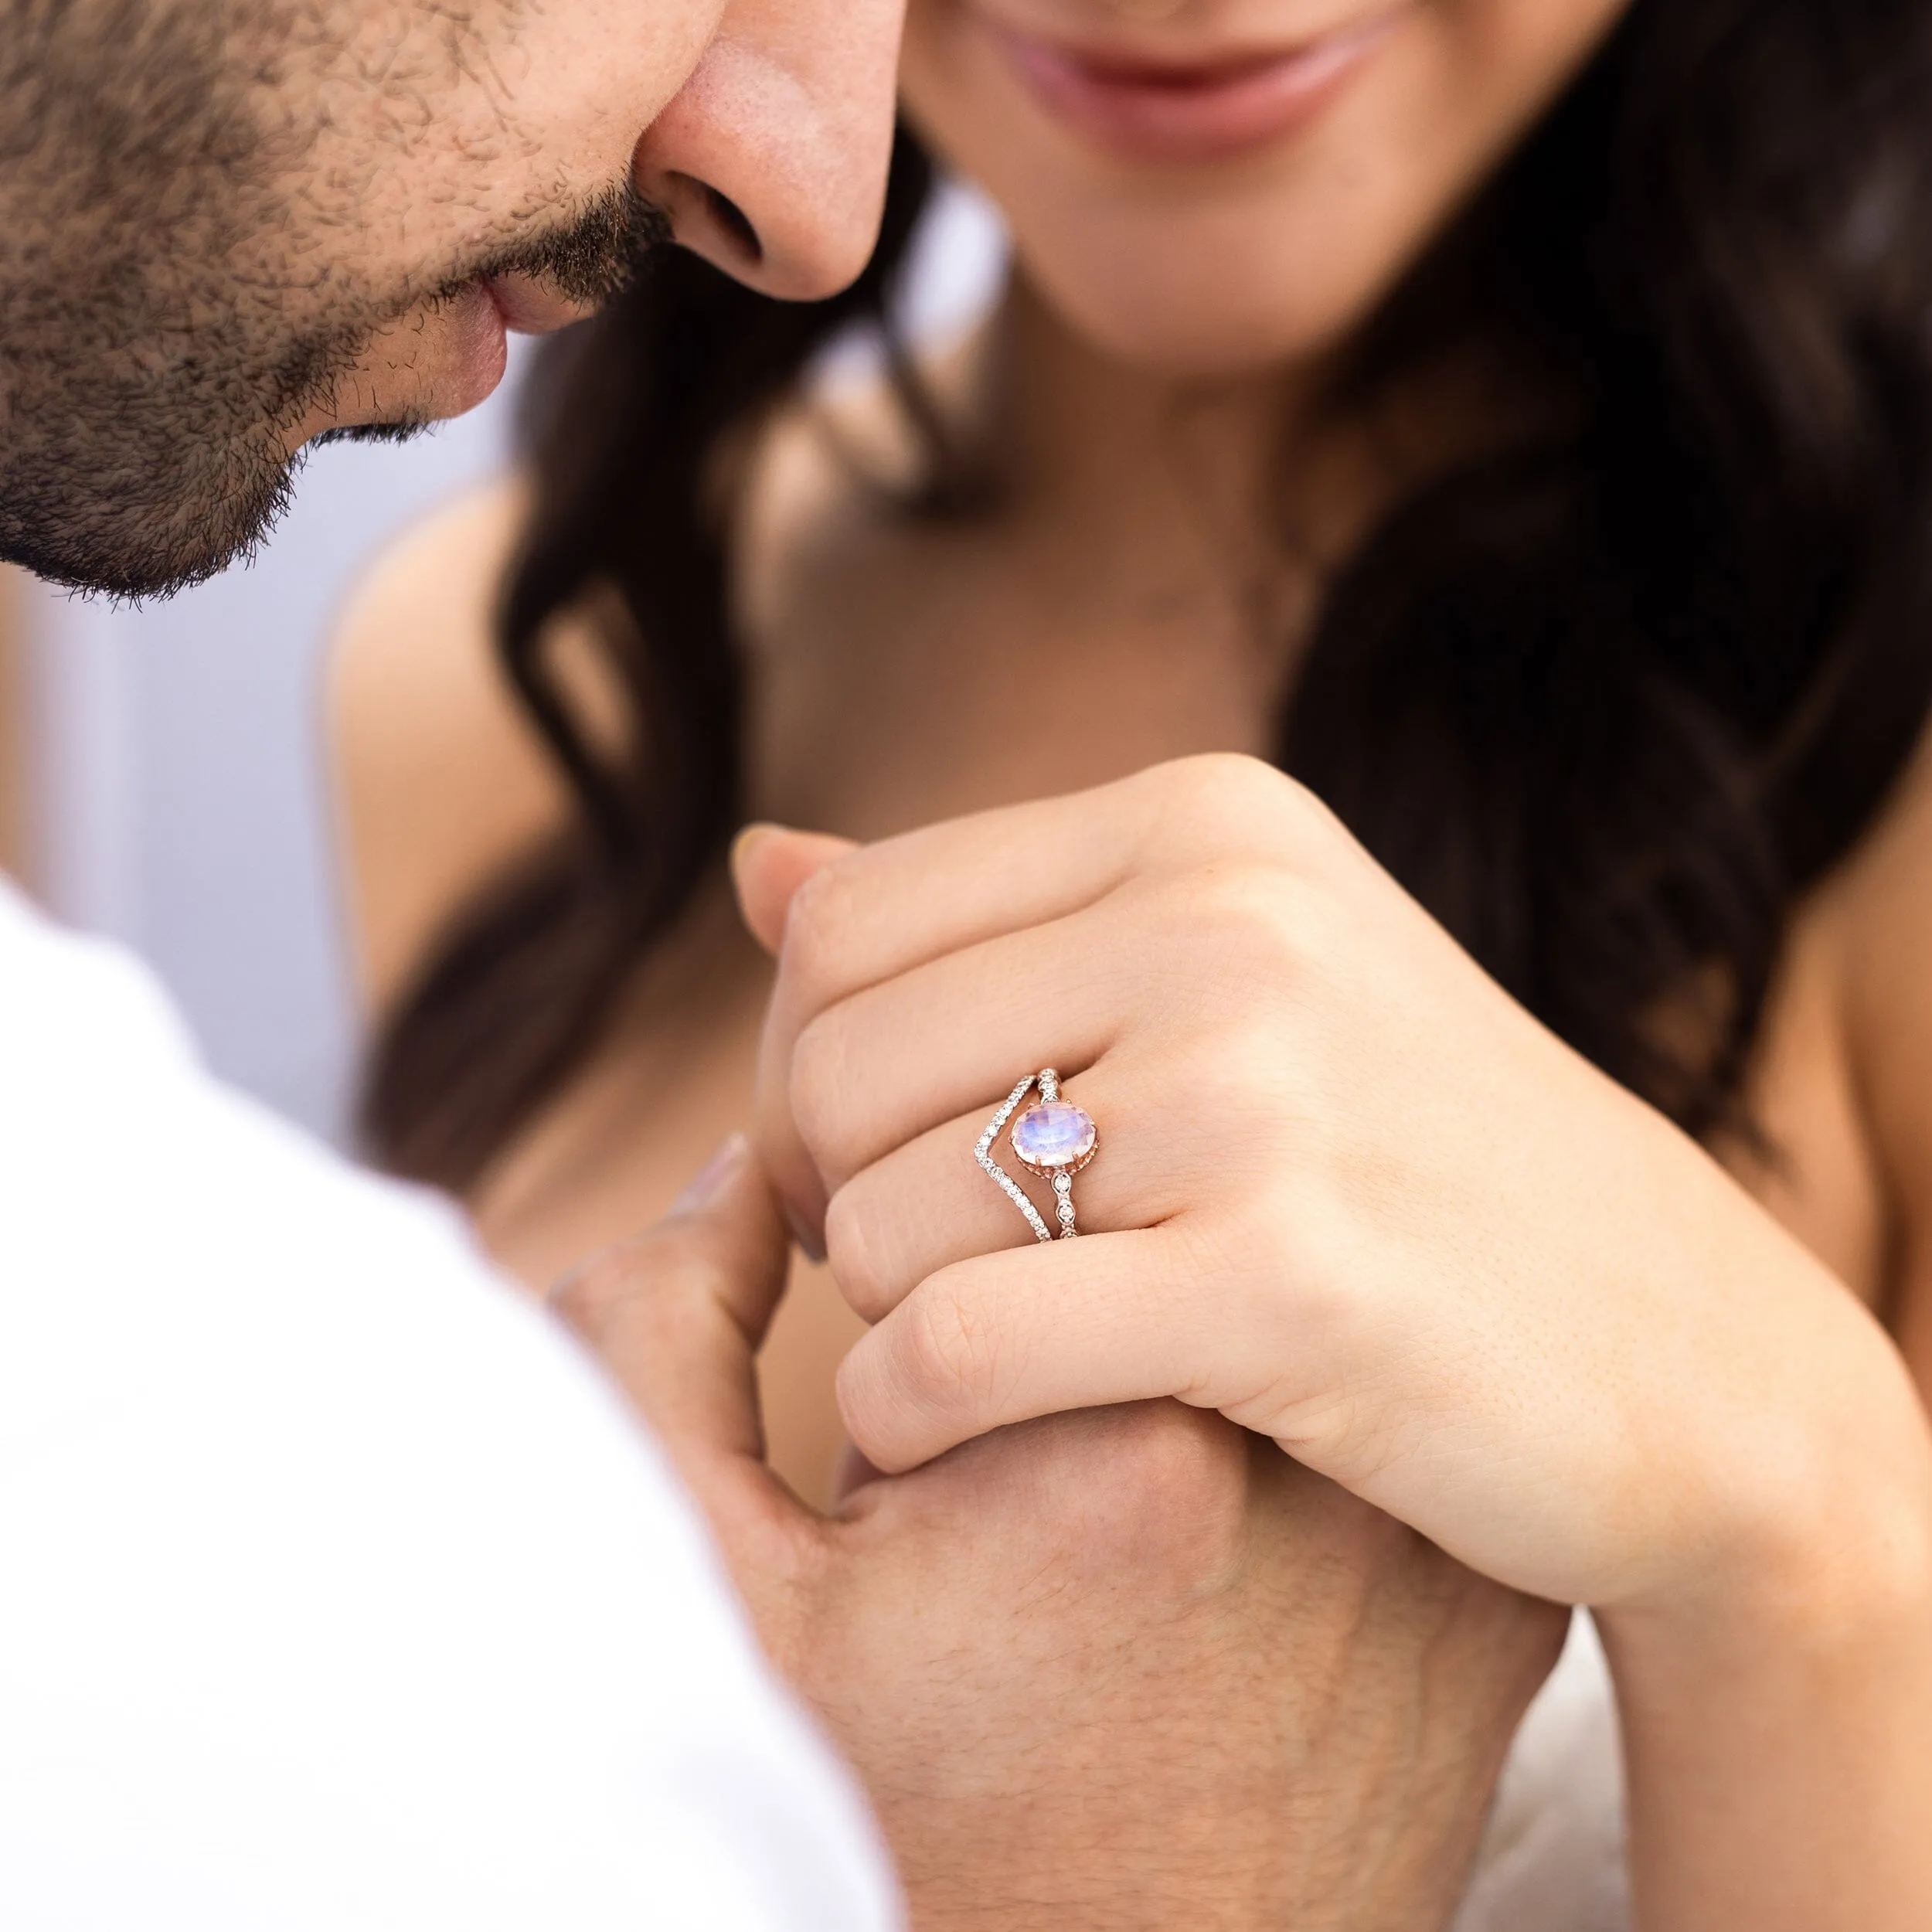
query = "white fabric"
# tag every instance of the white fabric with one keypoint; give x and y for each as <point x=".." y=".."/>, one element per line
<point x="335" y="1589"/>
<point x="1552" y="1858"/>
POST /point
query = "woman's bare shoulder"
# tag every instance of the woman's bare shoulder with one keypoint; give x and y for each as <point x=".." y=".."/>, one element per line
<point x="1880" y="903"/>
<point x="438" y="782"/>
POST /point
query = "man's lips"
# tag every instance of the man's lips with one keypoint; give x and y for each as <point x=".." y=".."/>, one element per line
<point x="1190" y="111"/>
<point x="529" y="307"/>
<point x="488" y="310"/>
<point x="430" y="366"/>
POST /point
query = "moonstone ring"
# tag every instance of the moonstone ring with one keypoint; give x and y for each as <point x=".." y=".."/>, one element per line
<point x="1052" y="1138"/>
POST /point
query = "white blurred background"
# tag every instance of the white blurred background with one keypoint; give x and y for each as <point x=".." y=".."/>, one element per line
<point x="175" y="794"/>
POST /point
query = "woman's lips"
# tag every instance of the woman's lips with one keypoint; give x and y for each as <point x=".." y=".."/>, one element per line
<point x="1179" y="111"/>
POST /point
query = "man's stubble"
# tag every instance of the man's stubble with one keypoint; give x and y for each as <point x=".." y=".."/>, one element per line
<point x="174" y="298"/>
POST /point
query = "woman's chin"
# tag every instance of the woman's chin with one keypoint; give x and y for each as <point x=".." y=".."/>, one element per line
<point x="1150" y="331"/>
<point x="1216" y="298"/>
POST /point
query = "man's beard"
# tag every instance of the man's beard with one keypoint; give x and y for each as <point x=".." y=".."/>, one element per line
<point x="149" y="384"/>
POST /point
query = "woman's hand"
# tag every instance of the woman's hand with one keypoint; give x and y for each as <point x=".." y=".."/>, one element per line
<point x="1348" y="1193"/>
<point x="1351" y="1195"/>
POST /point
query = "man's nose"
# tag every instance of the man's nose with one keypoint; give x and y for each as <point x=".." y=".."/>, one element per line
<point x="770" y="161"/>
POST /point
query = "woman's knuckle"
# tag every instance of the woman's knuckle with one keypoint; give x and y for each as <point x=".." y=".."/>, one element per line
<point x="853" y="1255"/>
<point x="1233" y="800"/>
<point x="951" y="1351"/>
<point x="817" y="923"/>
<point x="1234" y="791"/>
<point x="1243" y="912"/>
<point x="820" y="1063"/>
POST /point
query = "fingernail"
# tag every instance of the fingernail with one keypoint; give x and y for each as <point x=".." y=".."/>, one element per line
<point x="714" y="1177"/>
<point x="809" y="1245"/>
<point x="754" y="834"/>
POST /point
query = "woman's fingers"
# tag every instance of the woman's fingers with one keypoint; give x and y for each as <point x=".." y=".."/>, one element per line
<point x="769" y="863"/>
<point x="882" y="910"/>
<point x="885" y="910"/>
<point x="950" y="1037"/>
<point x="1188" y="962"/>
<point x="889" y="910"/>
<point x="925" y="1206"/>
<point x="886" y="907"/>
<point x="1005" y="1337"/>
<point x="928" y="1203"/>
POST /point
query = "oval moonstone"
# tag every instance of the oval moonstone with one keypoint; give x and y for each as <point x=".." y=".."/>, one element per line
<point x="1055" y="1134"/>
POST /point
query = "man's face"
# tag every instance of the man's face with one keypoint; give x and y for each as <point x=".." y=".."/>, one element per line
<point x="228" y="227"/>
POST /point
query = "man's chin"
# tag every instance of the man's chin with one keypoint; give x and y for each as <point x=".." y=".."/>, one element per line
<point x="134" y="516"/>
<point x="128" y="540"/>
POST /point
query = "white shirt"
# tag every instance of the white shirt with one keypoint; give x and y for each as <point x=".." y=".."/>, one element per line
<point x="1554" y="1857"/>
<point x="336" y="1590"/>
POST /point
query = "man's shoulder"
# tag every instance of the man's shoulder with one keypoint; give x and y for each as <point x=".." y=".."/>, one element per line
<point x="162" y="1228"/>
<point x="332" y="1564"/>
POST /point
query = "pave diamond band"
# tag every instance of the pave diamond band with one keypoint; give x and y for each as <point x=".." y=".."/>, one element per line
<point x="1052" y="1138"/>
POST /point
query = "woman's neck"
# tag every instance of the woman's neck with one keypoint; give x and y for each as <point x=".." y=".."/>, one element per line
<point x="1108" y="455"/>
<point x="1139" y="588"/>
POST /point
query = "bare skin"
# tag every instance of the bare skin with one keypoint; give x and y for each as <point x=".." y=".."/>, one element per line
<point x="1158" y="1766"/>
<point x="1134" y="601"/>
<point x="1842" y="1070"/>
<point x="869" y="723"/>
<point x="866" y="727"/>
<point x="348" y="206"/>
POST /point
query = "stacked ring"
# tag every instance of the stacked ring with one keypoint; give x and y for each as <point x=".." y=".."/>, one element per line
<point x="1052" y="1138"/>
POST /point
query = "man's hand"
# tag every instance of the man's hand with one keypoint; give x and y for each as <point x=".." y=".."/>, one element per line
<point x="1129" y="1668"/>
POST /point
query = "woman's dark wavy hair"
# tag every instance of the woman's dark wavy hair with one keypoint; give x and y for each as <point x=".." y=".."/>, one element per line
<point x="1607" y="701"/>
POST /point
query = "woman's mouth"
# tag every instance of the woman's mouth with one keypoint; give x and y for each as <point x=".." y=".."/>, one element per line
<point x="1174" y="110"/>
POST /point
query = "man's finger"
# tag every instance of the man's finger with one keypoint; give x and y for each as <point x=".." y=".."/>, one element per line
<point x="675" y="1315"/>
<point x="1029" y="1331"/>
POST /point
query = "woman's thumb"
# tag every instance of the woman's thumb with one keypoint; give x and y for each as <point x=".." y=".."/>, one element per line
<point x="769" y="863"/>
